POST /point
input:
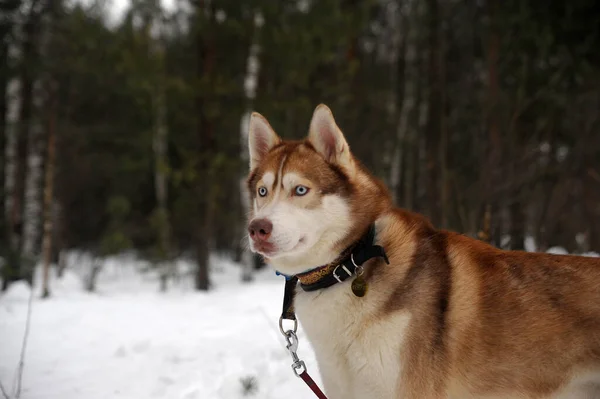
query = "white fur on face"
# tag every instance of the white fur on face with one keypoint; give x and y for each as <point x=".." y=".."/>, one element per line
<point x="268" y="179"/>
<point x="303" y="238"/>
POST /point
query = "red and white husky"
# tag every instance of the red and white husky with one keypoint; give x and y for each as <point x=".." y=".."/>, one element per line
<point x="448" y="317"/>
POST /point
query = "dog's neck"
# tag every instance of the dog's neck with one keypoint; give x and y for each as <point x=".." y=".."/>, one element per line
<point x="369" y="204"/>
<point x="314" y="274"/>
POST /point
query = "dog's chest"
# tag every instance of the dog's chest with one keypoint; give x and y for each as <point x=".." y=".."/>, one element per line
<point x="358" y="348"/>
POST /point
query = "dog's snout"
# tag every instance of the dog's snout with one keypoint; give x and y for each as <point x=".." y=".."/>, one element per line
<point x="260" y="229"/>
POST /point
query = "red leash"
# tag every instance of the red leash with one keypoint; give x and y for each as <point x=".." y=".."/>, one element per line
<point x="312" y="385"/>
<point x="292" y="347"/>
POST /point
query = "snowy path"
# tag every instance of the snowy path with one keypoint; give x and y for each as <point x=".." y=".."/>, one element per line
<point x="132" y="342"/>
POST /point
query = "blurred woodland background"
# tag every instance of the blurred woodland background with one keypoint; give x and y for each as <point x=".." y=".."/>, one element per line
<point x="130" y="133"/>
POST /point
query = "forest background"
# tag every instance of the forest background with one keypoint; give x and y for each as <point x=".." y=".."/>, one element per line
<point x="129" y="133"/>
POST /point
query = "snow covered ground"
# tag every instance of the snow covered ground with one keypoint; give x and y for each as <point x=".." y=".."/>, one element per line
<point x="129" y="341"/>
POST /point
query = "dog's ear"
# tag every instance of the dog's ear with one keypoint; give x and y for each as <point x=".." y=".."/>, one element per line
<point x="261" y="138"/>
<point x="328" y="139"/>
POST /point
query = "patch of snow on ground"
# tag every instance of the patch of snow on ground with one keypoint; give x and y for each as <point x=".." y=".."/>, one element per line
<point x="557" y="251"/>
<point x="129" y="341"/>
<point x="530" y="244"/>
<point x="591" y="254"/>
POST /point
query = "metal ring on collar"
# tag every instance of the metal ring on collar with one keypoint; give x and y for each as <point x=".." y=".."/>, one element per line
<point x="281" y="326"/>
<point x="359" y="269"/>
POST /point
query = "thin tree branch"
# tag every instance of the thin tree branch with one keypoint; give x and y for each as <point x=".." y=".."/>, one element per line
<point x="24" y="346"/>
<point x="3" y="391"/>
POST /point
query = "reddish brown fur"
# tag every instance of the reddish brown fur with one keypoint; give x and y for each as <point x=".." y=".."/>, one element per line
<point x="485" y="322"/>
<point x="301" y="157"/>
<point x="521" y="322"/>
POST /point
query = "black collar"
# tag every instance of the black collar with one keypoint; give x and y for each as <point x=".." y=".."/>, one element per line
<point x="348" y="264"/>
<point x="345" y="266"/>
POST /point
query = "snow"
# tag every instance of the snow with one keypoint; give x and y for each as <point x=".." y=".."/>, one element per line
<point x="130" y="341"/>
<point x="557" y="251"/>
<point x="530" y="244"/>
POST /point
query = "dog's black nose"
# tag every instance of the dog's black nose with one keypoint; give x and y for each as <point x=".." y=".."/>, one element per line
<point x="260" y="229"/>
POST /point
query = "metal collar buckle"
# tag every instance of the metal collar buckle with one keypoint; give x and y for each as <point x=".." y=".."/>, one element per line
<point x="348" y="272"/>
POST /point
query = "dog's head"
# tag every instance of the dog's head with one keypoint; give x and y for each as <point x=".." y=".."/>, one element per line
<point x="309" y="199"/>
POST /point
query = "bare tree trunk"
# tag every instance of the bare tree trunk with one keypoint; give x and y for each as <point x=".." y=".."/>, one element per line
<point x="11" y="269"/>
<point x="394" y="53"/>
<point x="161" y="165"/>
<point x="10" y="116"/>
<point x="406" y="132"/>
<point x="5" y="29"/>
<point x="62" y="263"/>
<point x="443" y="149"/>
<point x="490" y="217"/>
<point x="206" y="58"/>
<point x="160" y="182"/>
<point x="25" y="204"/>
<point x="250" y="85"/>
<point x="421" y="163"/>
<point x="21" y="155"/>
<point x="203" y="245"/>
<point x="59" y="240"/>
<point x="32" y="206"/>
<point x="433" y="131"/>
<point x="95" y="267"/>
<point x="485" y="233"/>
<point x="517" y="226"/>
<point x="48" y="193"/>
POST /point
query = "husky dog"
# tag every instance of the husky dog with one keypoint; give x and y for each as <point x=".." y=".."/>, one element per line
<point x="448" y="317"/>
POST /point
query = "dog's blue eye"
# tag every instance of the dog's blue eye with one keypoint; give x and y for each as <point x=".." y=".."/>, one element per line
<point x="262" y="191"/>
<point x="301" y="190"/>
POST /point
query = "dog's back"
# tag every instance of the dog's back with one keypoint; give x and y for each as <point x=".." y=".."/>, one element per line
<point x="487" y="322"/>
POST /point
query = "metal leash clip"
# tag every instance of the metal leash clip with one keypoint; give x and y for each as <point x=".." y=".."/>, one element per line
<point x="292" y="346"/>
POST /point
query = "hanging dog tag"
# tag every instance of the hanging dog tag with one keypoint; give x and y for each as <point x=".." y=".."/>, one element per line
<point x="359" y="286"/>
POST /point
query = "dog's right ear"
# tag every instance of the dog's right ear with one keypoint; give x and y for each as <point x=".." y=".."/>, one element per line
<point x="327" y="138"/>
<point x="261" y="138"/>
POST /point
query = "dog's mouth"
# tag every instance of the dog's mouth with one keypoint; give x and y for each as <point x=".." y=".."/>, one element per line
<point x="264" y="248"/>
<point x="268" y="249"/>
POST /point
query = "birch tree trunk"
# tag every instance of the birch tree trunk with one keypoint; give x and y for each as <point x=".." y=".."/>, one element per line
<point x="25" y="205"/>
<point x="10" y="115"/>
<point x="11" y="269"/>
<point x="250" y="84"/>
<point x="152" y="17"/>
<point x="49" y="44"/>
<point x="33" y="206"/>
<point x="6" y="134"/>
<point x="5" y="30"/>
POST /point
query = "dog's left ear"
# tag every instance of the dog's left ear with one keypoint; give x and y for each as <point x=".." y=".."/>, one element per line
<point x="328" y="139"/>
